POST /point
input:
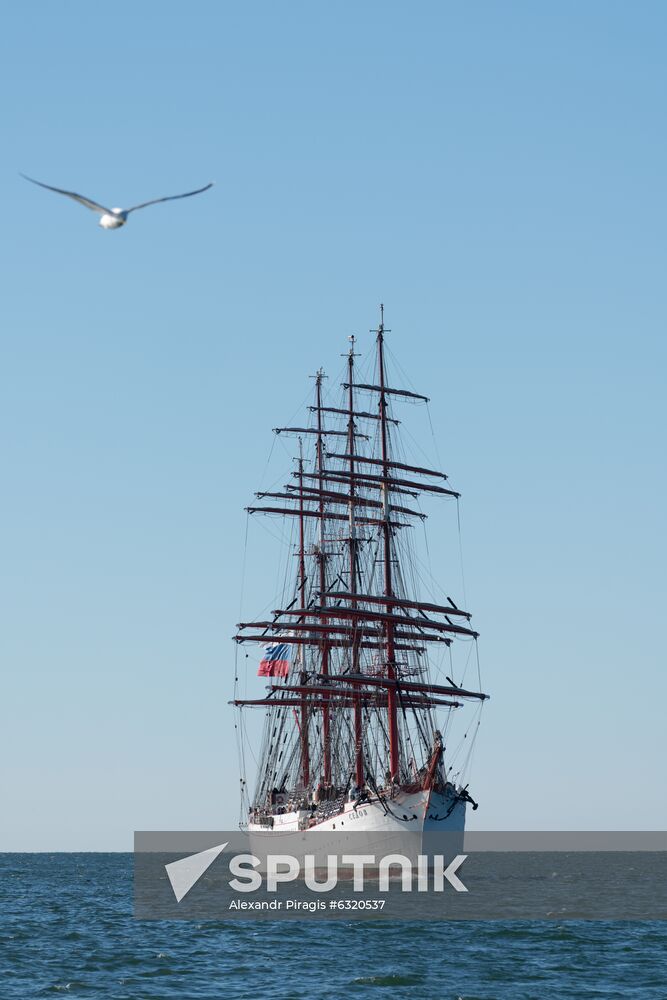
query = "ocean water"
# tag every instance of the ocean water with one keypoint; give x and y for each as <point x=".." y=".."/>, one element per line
<point x="67" y="930"/>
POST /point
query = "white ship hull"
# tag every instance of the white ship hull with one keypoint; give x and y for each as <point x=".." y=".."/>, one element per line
<point x="409" y="813"/>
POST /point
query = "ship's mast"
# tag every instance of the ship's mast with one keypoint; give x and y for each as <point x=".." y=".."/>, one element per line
<point x="326" y="716"/>
<point x="303" y="728"/>
<point x="358" y="729"/>
<point x="394" y="752"/>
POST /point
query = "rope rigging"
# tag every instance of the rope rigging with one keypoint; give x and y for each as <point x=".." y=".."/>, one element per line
<point x="314" y="733"/>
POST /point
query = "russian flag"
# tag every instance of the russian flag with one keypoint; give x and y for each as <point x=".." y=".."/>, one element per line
<point x="275" y="661"/>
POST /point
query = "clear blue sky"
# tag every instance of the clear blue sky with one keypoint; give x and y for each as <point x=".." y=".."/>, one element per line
<point x="495" y="173"/>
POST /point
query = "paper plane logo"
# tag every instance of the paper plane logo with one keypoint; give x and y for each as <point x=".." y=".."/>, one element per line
<point x="185" y="873"/>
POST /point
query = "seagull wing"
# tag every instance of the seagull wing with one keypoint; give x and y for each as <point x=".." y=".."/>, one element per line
<point x="88" y="202"/>
<point x="171" y="197"/>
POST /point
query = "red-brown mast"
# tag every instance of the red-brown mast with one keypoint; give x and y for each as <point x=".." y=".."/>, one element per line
<point x="326" y="721"/>
<point x="358" y="731"/>
<point x="305" y="753"/>
<point x="394" y="755"/>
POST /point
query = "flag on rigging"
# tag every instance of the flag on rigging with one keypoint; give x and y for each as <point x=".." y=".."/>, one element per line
<point x="275" y="660"/>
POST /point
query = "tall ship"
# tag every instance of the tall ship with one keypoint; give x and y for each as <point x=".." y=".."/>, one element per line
<point x="363" y="656"/>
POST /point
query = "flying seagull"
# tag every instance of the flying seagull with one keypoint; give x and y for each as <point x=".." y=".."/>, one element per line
<point x="113" y="218"/>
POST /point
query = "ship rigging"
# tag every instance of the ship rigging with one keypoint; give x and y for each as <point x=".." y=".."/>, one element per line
<point x="352" y="699"/>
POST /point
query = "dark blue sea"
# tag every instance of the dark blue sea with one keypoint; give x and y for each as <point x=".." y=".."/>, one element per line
<point x="66" y="929"/>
